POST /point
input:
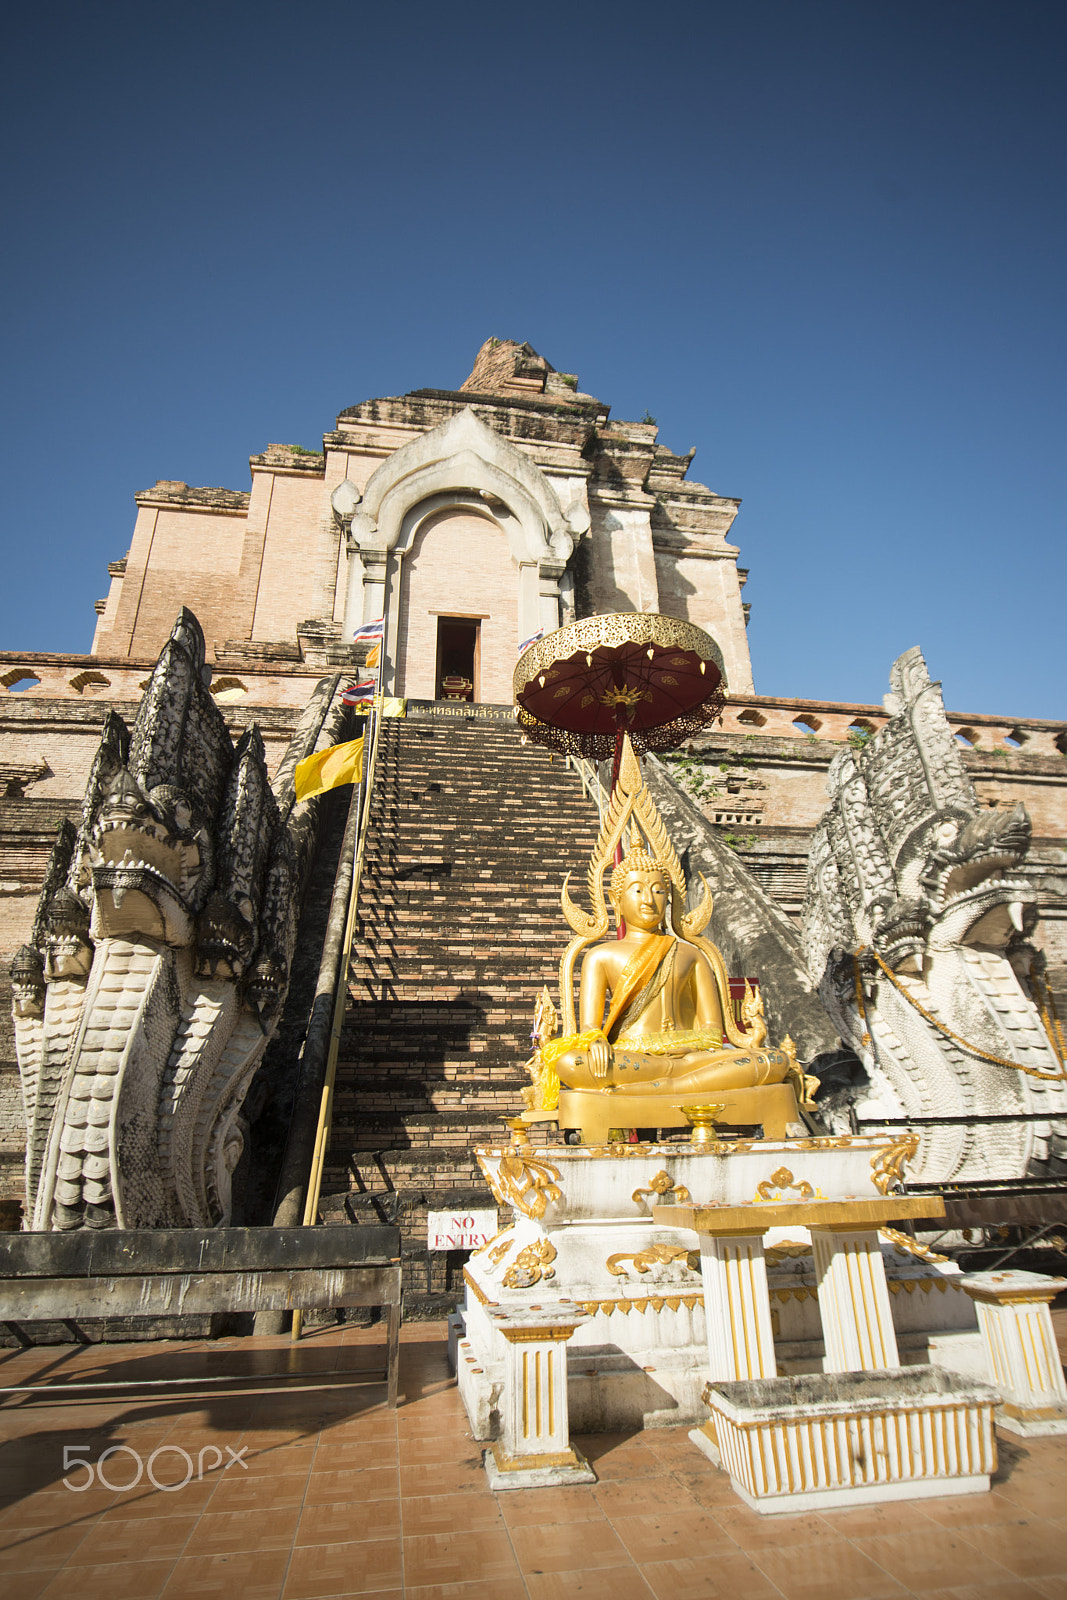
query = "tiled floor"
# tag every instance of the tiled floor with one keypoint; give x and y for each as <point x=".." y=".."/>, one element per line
<point x="325" y="1492"/>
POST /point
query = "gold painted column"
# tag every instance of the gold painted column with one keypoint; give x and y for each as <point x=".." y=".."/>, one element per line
<point x="737" y="1306"/>
<point x="536" y="1451"/>
<point x="854" y="1303"/>
<point x="1024" y="1362"/>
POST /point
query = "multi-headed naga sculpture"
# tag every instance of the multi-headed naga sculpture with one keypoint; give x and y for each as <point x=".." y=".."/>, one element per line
<point x="157" y="966"/>
<point x="916" y="927"/>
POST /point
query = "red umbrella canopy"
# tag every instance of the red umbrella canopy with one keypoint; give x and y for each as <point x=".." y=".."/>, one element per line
<point x="654" y="677"/>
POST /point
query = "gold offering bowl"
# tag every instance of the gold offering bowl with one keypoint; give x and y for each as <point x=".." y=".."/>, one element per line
<point x="702" y="1121"/>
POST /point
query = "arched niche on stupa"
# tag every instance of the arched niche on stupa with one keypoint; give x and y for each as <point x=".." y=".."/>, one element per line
<point x="457" y="523"/>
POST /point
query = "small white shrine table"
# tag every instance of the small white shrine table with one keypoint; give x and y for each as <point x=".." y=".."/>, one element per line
<point x="854" y="1302"/>
<point x="536" y="1450"/>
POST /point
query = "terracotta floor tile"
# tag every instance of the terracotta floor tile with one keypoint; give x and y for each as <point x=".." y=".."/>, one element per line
<point x="624" y="1461"/>
<point x="568" y="1546"/>
<point x="357" y="1455"/>
<point x="343" y="1569"/>
<point x="26" y="1585"/>
<point x="625" y="1497"/>
<point x="966" y="1510"/>
<point x="221" y="1533"/>
<point x="382" y="1483"/>
<point x="54" y="1506"/>
<point x="443" y="1513"/>
<point x="896" y="1516"/>
<point x="827" y="1570"/>
<point x="28" y="1549"/>
<point x="606" y="1583"/>
<point x="524" y="1507"/>
<point x="281" y="1433"/>
<point x="447" y="1477"/>
<point x="140" y="1539"/>
<point x="433" y="1410"/>
<point x="664" y="1533"/>
<point x="707" y="1485"/>
<point x="753" y="1532"/>
<point x="274" y="1460"/>
<point x="999" y="1589"/>
<point x="250" y="1575"/>
<point x="429" y="1450"/>
<point x="1027" y="1548"/>
<point x="726" y="1577"/>
<point x="186" y="1502"/>
<point x="346" y="1521"/>
<point x="452" y="1591"/>
<point x="1042" y="1498"/>
<point x="372" y="1430"/>
<point x="1050" y="1588"/>
<point x="460" y="1558"/>
<point x="938" y="1559"/>
<point x="260" y="1494"/>
<point x="672" y="1445"/>
<point x="127" y="1580"/>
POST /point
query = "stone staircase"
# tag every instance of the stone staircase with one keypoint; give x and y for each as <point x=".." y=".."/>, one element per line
<point x="459" y="928"/>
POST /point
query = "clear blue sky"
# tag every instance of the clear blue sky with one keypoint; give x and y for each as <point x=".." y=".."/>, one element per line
<point x="822" y="242"/>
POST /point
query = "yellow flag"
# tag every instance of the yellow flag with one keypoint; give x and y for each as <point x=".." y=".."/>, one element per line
<point x="374" y="655"/>
<point x="392" y="707"/>
<point x="329" y="769"/>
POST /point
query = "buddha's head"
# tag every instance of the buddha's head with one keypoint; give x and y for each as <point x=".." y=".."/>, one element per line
<point x="640" y="891"/>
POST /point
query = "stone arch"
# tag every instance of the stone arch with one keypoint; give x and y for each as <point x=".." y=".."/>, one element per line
<point x="462" y="463"/>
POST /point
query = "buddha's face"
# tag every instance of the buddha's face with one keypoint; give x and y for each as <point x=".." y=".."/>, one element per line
<point x="643" y="900"/>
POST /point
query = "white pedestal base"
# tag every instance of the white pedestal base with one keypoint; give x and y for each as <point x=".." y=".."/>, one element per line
<point x="1031" y="1427"/>
<point x="865" y="1495"/>
<point x="1024" y="1361"/>
<point x="705" y="1444"/>
<point x="535" y="1472"/>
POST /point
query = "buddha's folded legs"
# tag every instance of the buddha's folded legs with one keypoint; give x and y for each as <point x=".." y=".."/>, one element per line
<point x="697" y="1071"/>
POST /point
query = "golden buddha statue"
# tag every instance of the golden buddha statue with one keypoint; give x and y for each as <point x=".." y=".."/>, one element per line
<point x="655" y="1026"/>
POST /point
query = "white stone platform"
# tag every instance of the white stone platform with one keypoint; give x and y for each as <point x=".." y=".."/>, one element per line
<point x="583" y="1231"/>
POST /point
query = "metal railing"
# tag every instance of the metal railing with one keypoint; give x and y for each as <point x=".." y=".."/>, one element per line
<point x="590" y="779"/>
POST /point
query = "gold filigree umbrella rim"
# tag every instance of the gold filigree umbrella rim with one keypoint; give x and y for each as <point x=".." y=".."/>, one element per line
<point x="681" y="710"/>
<point x="616" y="628"/>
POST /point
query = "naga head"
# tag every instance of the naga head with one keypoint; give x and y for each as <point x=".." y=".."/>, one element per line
<point x="65" y="936"/>
<point x="976" y="893"/>
<point x="150" y="862"/>
<point x="27" y="982"/>
<point x="225" y="938"/>
<point x="267" y="984"/>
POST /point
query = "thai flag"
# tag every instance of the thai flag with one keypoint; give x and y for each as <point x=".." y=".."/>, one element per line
<point x="359" y="694"/>
<point x="526" y="643"/>
<point x="370" y="632"/>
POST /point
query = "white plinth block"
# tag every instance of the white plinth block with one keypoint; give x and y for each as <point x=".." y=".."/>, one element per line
<point x="821" y="1440"/>
<point x="536" y="1451"/>
<point x="738" y="1307"/>
<point x="1024" y="1362"/>
<point x="854" y="1303"/>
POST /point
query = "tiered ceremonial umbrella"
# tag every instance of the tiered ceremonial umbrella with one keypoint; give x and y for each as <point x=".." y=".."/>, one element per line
<point x="582" y="688"/>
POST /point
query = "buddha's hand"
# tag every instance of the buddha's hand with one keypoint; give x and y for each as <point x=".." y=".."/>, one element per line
<point x="600" y="1058"/>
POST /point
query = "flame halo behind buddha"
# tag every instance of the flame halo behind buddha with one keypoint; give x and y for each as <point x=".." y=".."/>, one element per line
<point x="669" y="1030"/>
